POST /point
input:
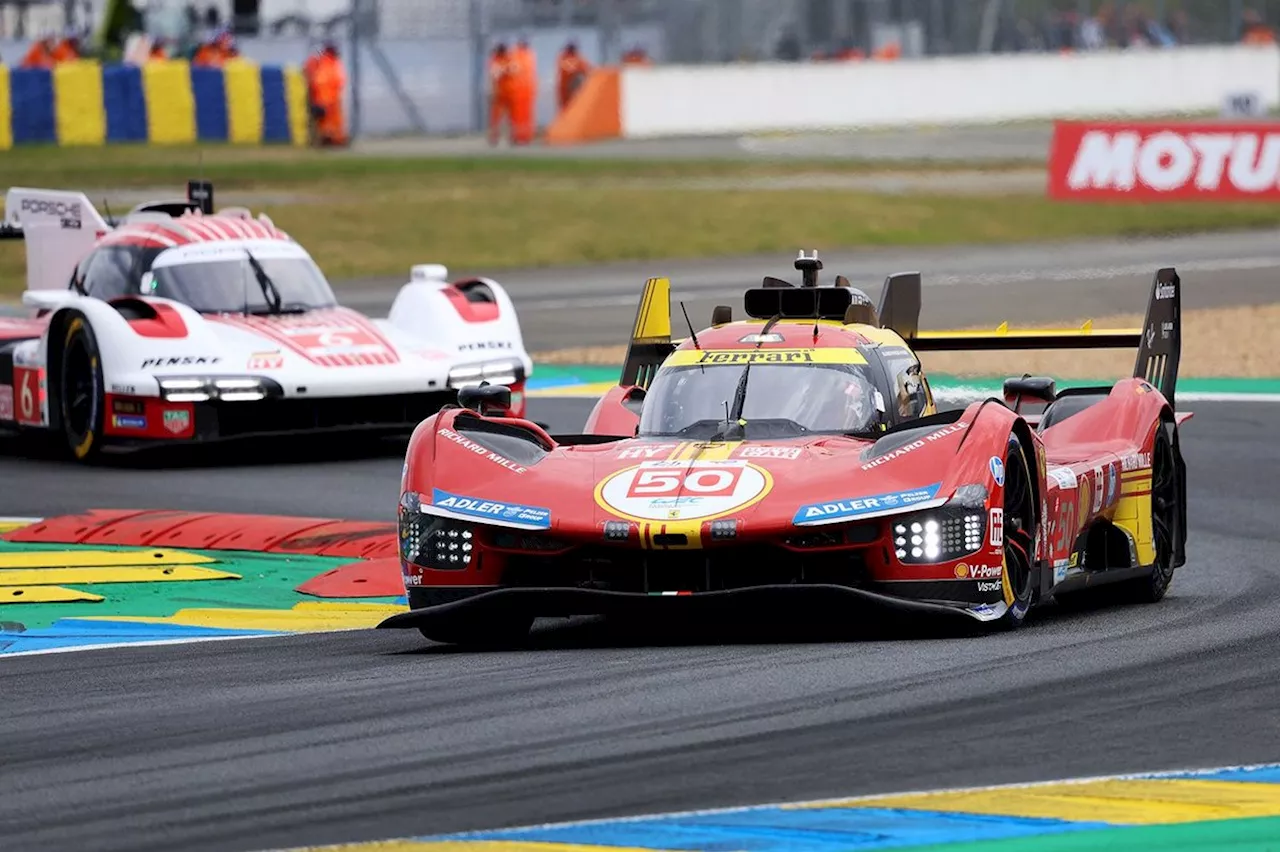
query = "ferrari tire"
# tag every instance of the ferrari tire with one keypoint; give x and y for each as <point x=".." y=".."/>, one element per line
<point x="1166" y="518"/>
<point x="489" y="634"/>
<point x="1019" y="505"/>
<point x="81" y="399"/>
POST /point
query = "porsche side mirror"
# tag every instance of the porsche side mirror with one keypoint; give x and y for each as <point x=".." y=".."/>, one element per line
<point x="486" y="399"/>
<point x="1030" y="387"/>
<point x="148" y="284"/>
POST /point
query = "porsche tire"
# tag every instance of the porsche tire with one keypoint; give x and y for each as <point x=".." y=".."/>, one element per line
<point x="1019" y="505"/>
<point x="81" y="399"/>
<point x="489" y="634"/>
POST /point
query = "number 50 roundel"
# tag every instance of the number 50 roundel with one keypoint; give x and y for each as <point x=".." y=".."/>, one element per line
<point x="666" y="491"/>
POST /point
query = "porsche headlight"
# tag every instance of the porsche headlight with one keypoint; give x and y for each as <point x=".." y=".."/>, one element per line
<point x="504" y="372"/>
<point x="205" y="388"/>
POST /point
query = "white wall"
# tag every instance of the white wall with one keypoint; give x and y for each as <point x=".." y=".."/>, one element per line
<point x="728" y="99"/>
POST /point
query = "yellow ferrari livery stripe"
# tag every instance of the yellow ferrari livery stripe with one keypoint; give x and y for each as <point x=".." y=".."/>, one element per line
<point x="799" y="357"/>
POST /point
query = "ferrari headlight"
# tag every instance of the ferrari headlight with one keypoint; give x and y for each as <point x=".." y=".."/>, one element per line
<point x="203" y="389"/>
<point x="938" y="535"/>
<point x="504" y="372"/>
<point x="432" y="541"/>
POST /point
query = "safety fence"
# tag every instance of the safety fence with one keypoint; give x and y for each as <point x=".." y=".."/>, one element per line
<point x="161" y="102"/>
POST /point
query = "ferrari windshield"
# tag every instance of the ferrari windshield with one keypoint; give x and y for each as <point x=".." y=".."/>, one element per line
<point x="780" y="400"/>
<point x="223" y="279"/>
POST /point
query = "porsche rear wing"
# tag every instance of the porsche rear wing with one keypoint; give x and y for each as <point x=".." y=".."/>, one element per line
<point x="1158" y="341"/>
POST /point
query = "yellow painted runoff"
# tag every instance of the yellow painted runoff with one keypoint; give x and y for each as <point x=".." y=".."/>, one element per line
<point x="295" y="92"/>
<point x="6" y="136"/>
<point x="43" y="594"/>
<point x="99" y="558"/>
<point x="1119" y="801"/>
<point x="126" y="574"/>
<point x="302" y="618"/>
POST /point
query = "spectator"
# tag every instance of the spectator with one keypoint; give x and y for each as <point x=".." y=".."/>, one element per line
<point x="1256" y="30"/>
<point x="40" y="54"/>
<point x="1093" y="31"/>
<point x="326" y="83"/>
<point x="571" y="73"/>
<point x="526" y="67"/>
<point x="503" y="86"/>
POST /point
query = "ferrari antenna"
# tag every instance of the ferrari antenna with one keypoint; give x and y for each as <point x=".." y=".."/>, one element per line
<point x="690" y="324"/>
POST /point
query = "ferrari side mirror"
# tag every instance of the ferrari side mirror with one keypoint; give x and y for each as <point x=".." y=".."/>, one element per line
<point x="486" y="399"/>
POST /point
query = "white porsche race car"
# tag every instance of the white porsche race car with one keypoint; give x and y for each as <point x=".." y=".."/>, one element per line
<point x="177" y="324"/>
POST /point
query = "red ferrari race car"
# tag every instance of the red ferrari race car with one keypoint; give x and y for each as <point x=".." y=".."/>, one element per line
<point x="798" y="457"/>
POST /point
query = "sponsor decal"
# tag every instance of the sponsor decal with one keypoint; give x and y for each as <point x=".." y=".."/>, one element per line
<point x="1060" y="570"/>
<point x="771" y="337"/>
<point x="128" y="406"/>
<point x="126" y="389"/>
<point x="177" y="421"/>
<point x="985" y="572"/>
<point x="1151" y="336"/>
<point x="646" y="451"/>
<point x="1139" y="461"/>
<point x="996" y="524"/>
<point x="962" y="571"/>
<point x="412" y="580"/>
<point x="1113" y="484"/>
<point x="182" y="361"/>
<point x="958" y="426"/>
<point x="1165" y="160"/>
<point x="1166" y="330"/>
<point x="1099" y="489"/>
<point x="6" y="402"/>
<point x="265" y="361"/>
<point x="462" y="441"/>
<point x="683" y="490"/>
<point x="749" y="452"/>
<point x="997" y="470"/>
<point x="128" y="421"/>
<point x="1166" y="291"/>
<point x="29" y="389"/>
<point x="67" y="213"/>
<point x="1064" y="476"/>
<point x="995" y="586"/>
<point x="492" y="510"/>
<point x="484" y="345"/>
<point x="855" y="507"/>
<point x="757" y="356"/>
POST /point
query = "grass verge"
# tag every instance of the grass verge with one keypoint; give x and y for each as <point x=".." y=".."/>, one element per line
<point x="367" y="217"/>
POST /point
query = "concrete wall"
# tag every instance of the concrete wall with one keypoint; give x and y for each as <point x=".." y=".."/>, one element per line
<point x="733" y="99"/>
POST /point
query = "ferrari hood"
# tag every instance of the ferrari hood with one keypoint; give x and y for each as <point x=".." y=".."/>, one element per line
<point x="761" y="485"/>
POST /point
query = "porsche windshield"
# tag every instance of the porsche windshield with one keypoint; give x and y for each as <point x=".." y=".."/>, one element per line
<point x="780" y="400"/>
<point x="231" y="284"/>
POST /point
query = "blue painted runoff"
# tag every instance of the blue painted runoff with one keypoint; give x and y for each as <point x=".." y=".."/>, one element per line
<point x="78" y="633"/>
<point x="1257" y="775"/>
<point x="785" y="830"/>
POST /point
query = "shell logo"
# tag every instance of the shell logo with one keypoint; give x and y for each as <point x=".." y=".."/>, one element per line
<point x="962" y="571"/>
<point x="683" y="490"/>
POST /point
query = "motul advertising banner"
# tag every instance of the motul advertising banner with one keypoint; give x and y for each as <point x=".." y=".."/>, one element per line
<point x="1152" y="161"/>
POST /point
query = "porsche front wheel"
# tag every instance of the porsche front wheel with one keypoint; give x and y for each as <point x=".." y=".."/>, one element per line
<point x="80" y="392"/>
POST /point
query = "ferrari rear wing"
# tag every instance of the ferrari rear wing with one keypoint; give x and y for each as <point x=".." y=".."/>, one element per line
<point x="1158" y="341"/>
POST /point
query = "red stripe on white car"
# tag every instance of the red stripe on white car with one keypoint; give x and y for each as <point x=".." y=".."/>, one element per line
<point x="336" y="337"/>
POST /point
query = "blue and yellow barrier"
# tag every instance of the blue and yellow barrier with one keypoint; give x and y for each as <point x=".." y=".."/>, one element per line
<point x="164" y="102"/>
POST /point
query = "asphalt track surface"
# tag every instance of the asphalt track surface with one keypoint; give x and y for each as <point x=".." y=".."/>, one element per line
<point x="254" y="744"/>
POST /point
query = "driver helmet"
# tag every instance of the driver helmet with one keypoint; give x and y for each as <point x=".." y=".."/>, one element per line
<point x="846" y="406"/>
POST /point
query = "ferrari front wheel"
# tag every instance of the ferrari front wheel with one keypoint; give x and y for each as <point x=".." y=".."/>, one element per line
<point x="80" y="392"/>
<point x="1018" y="516"/>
